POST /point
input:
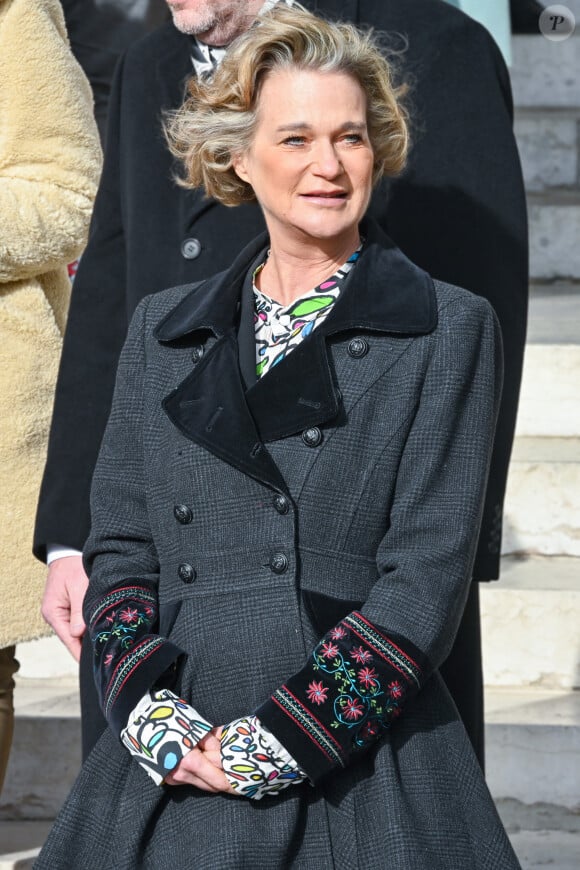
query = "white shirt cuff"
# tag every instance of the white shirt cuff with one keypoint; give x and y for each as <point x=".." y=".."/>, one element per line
<point x="57" y="551"/>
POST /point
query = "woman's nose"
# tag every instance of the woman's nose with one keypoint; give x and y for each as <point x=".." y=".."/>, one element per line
<point x="327" y="161"/>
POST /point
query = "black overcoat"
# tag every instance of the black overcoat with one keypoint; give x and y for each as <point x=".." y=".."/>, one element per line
<point x="400" y="386"/>
<point x="458" y="212"/>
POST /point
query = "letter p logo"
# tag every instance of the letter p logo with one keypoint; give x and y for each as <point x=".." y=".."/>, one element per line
<point x="557" y="23"/>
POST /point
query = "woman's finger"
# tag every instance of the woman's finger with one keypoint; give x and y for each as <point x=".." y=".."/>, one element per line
<point x="197" y="769"/>
<point x="210" y="742"/>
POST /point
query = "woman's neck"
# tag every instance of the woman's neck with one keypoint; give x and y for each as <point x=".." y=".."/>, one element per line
<point x="292" y="270"/>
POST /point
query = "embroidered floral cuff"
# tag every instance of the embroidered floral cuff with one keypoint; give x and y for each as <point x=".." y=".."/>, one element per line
<point x="161" y="730"/>
<point x="344" y="699"/>
<point x="129" y="657"/>
<point x="255" y="762"/>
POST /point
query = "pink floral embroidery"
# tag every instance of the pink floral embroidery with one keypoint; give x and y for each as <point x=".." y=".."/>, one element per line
<point x="367" y="676"/>
<point x="352" y="709"/>
<point x="360" y="655"/>
<point x="129" y="615"/>
<point x="395" y="689"/>
<point x="369" y="731"/>
<point x="108" y="659"/>
<point x="338" y="633"/>
<point x="317" y="692"/>
<point x="329" y="650"/>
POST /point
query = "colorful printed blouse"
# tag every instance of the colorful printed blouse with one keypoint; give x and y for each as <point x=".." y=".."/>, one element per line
<point x="163" y="727"/>
<point x="279" y="329"/>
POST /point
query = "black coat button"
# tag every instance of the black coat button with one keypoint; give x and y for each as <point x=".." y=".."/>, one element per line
<point x="183" y="514"/>
<point x="279" y="563"/>
<point x="358" y="347"/>
<point x="312" y="437"/>
<point x="191" y="249"/>
<point x="281" y="503"/>
<point x="186" y="573"/>
<point x="197" y="353"/>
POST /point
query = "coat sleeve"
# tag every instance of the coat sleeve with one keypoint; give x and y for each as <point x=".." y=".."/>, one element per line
<point x="363" y="672"/>
<point x="50" y="157"/>
<point x="121" y="604"/>
<point x="97" y="319"/>
<point x="459" y="211"/>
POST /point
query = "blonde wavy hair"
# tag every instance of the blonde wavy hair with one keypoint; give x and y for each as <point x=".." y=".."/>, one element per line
<point x="218" y="119"/>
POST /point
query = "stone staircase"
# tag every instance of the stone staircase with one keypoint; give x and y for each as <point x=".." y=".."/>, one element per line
<point x="531" y="619"/>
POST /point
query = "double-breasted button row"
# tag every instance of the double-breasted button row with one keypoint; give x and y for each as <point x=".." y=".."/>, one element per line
<point x="279" y="563"/>
<point x="312" y="437"/>
<point x="358" y="347"/>
<point x="186" y="572"/>
<point x="183" y="514"/>
<point x="191" y="249"/>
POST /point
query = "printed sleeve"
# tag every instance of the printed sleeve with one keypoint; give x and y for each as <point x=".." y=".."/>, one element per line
<point x="361" y="675"/>
<point x="161" y="730"/>
<point x="255" y="762"/>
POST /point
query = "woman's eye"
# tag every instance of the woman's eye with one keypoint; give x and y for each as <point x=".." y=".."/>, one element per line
<point x="353" y="138"/>
<point x="294" y="140"/>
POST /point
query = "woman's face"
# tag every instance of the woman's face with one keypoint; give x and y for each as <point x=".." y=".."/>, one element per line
<point x="311" y="162"/>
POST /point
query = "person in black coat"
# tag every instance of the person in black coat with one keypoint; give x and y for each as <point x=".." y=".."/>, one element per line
<point x="458" y="212"/>
<point x="99" y="32"/>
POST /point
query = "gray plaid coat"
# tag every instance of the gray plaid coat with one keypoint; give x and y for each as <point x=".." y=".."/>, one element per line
<point x="378" y="431"/>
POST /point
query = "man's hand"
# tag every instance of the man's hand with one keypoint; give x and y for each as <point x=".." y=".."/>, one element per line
<point x="202" y="767"/>
<point x="62" y="602"/>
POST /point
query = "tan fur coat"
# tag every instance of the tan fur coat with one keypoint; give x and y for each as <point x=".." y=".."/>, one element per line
<point x="49" y="167"/>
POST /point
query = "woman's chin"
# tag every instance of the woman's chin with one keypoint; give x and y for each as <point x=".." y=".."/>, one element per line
<point x="326" y="229"/>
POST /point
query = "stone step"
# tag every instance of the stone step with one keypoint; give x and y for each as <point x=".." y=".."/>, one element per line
<point x="46" y="753"/>
<point x="554" y="315"/>
<point x="542" y="834"/>
<point x="559" y="850"/>
<point x="528" y="621"/>
<point x="533" y="746"/>
<point x="542" y="507"/>
<point x="20" y="842"/>
<point x="544" y="73"/>
<point x="46" y="659"/>
<point x="548" y="142"/>
<point x="549" y="399"/>
<point x="554" y="230"/>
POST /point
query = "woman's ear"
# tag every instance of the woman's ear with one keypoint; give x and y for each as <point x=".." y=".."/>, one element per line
<point x="239" y="164"/>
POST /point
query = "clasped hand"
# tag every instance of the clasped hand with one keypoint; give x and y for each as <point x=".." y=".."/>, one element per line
<point x="202" y="766"/>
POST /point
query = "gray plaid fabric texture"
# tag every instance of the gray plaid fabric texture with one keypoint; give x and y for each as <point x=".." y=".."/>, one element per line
<point x="385" y="511"/>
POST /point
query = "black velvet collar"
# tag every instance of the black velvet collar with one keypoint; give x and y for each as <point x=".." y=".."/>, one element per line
<point x="223" y="408"/>
<point x="388" y="293"/>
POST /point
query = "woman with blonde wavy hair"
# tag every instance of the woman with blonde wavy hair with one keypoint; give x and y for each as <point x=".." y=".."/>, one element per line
<point x="286" y="506"/>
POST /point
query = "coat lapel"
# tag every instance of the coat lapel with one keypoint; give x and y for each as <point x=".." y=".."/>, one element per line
<point x="385" y="292"/>
<point x="234" y="416"/>
<point x="296" y="394"/>
<point x="209" y="407"/>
